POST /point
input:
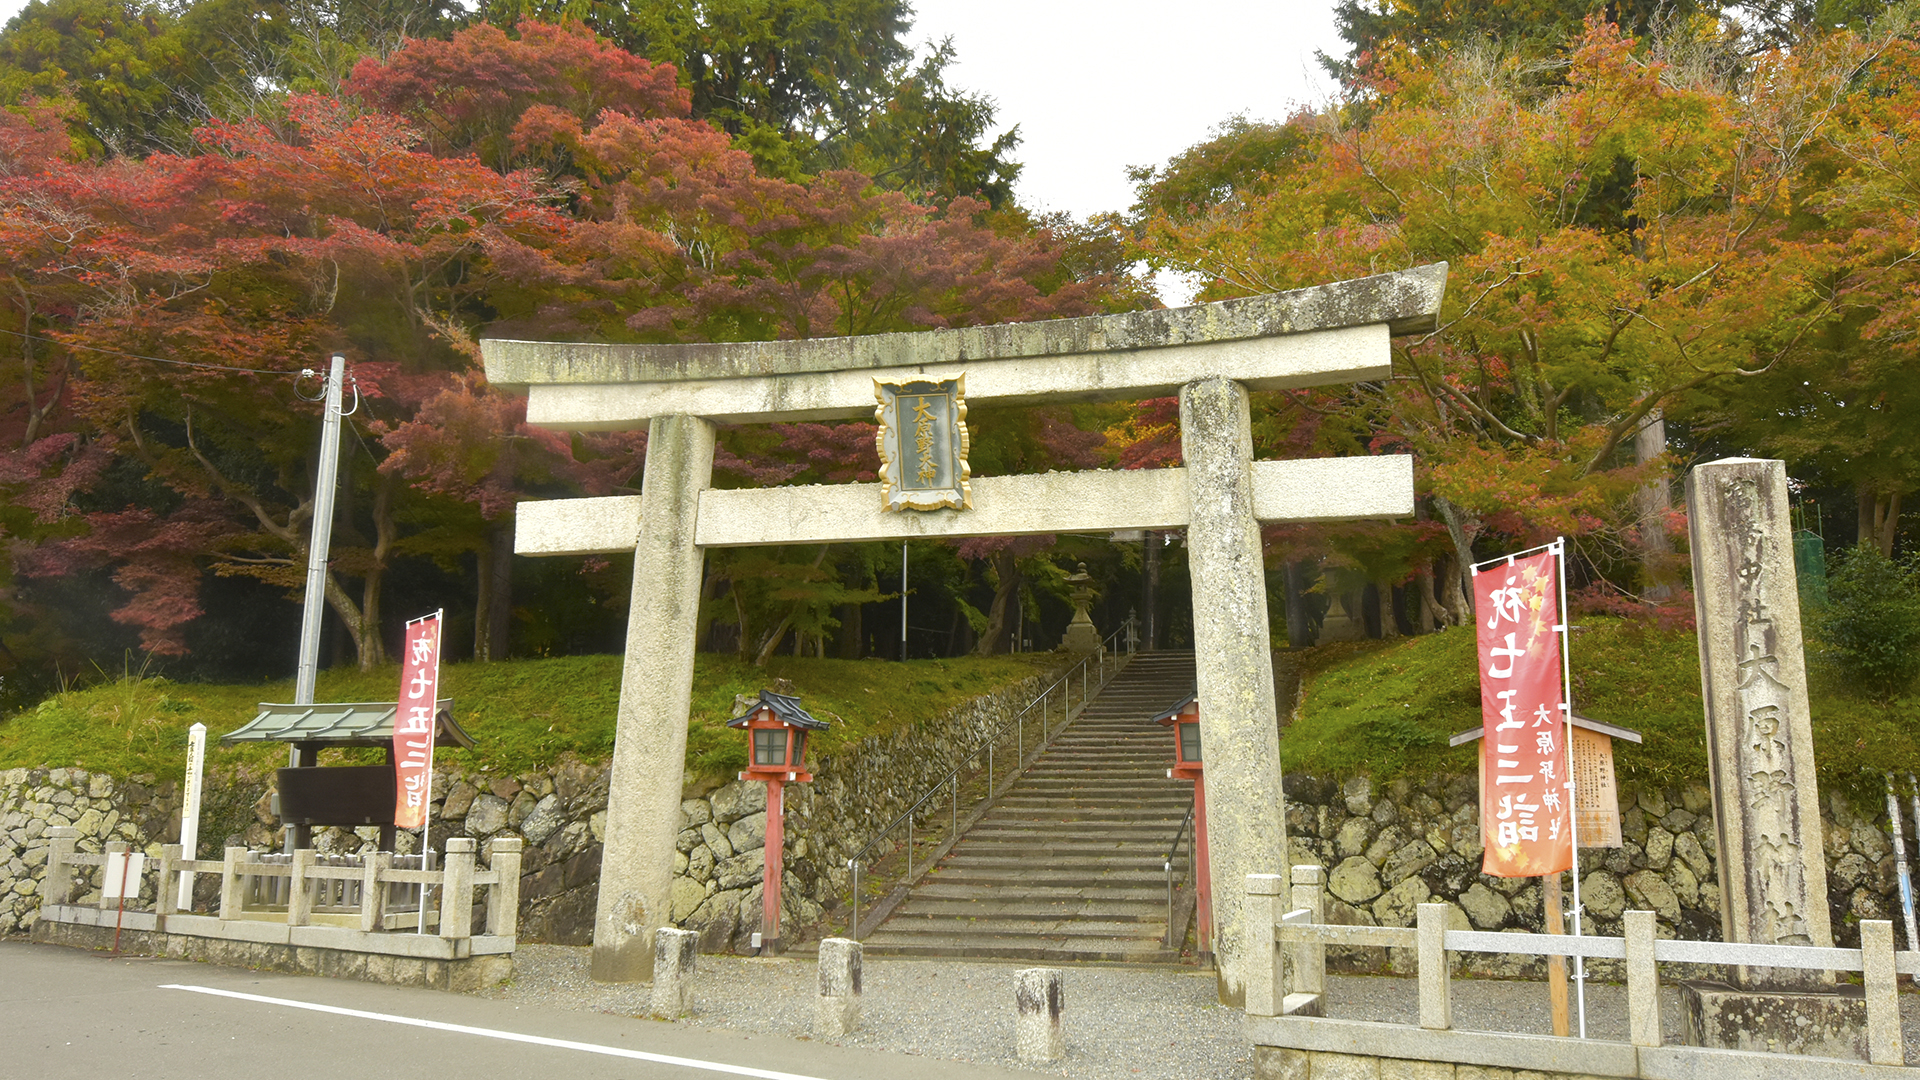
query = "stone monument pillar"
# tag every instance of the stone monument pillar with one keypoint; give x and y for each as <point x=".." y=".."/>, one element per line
<point x="1082" y="636"/>
<point x="1766" y="803"/>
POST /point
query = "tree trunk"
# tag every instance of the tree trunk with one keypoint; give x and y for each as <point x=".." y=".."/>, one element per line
<point x="1150" y="589"/>
<point x="740" y="617"/>
<point x="1006" y="591"/>
<point x="493" y="600"/>
<point x="1389" y="622"/>
<point x="1879" y="518"/>
<point x="1454" y="599"/>
<point x="1656" y="551"/>
<point x="1299" y="622"/>
<point x="851" y="632"/>
<point x="773" y="642"/>
<point x="1431" y="617"/>
<point x="1462" y="527"/>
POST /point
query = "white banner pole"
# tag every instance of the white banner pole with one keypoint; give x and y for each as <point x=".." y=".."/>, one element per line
<point x="1573" y="790"/>
<point x="190" y="810"/>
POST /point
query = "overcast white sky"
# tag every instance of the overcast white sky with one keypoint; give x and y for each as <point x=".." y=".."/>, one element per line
<point x="1098" y="85"/>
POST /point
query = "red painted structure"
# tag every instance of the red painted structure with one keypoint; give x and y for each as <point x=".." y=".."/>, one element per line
<point x="777" y="730"/>
<point x="1184" y="721"/>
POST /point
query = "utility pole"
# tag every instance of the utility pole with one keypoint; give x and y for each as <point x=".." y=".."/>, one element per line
<point x="320" y="540"/>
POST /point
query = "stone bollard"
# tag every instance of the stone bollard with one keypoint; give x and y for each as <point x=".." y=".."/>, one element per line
<point x="836" y="1011"/>
<point x="673" y="955"/>
<point x="1039" y="1000"/>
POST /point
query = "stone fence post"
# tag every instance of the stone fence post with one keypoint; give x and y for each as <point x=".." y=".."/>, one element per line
<point x="503" y="896"/>
<point x="57" y="886"/>
<point x="456" y="889"/>
<point x="1039" y="1002"/>
<point x="674" y="954"/>
<point x="837" y="1006"/>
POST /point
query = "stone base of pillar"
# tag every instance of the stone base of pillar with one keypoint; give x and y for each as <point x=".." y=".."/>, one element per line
<point x="1082" y="638"/>
<point x="1824" y="1024"/>
<point x="1339" y="624"/>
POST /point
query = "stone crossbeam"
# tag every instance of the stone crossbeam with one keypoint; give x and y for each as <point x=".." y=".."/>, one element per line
<point x="1312" y="489"/>
<point x="1306" y="337"/>
<point x="1310" y="359"/>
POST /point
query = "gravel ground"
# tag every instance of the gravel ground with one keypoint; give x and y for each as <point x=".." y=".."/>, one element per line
<point x="1152" y="1023"/>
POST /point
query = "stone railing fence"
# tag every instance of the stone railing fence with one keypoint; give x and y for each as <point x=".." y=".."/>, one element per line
<point x="1286" y="988"/>
<point x="295" y="892"/>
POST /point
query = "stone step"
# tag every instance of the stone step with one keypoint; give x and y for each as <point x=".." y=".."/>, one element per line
<point x="1048" y="949"/>
<point x="1041" y="909"/>
<point x="906" y="923"/>
<point x="936" y="889"/>
<point x="1068" y="865"/>
<point x="1025" y="877"/>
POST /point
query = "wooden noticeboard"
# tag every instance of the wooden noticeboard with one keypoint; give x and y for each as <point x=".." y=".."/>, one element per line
<point x="1597" y="806"/>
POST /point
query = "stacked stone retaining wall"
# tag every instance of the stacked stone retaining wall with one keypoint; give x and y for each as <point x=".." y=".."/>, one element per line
<point x="1386" y="848"/>
<point x="561" y="814"/>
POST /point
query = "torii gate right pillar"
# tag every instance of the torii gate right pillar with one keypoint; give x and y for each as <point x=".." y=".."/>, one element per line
<point x="1239" y="730"/>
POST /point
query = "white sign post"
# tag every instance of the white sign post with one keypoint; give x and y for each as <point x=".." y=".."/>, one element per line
<point x="190" y="810"/>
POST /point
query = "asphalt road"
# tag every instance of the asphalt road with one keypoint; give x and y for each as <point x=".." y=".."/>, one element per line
<point x="65" y="1012"/>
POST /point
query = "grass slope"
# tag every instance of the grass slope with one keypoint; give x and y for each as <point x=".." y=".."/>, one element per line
<point x="521" y="713"/>
<point x="1386" y="709"/>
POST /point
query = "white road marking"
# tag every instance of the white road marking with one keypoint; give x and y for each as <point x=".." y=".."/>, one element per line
<point x="508" y="1036"/>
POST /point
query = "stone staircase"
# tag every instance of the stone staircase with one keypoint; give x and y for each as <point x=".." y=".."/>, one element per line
<point x="1068" y="865"/>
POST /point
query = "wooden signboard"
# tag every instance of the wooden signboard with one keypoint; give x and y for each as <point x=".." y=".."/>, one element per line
<point x="1596" y="793"/>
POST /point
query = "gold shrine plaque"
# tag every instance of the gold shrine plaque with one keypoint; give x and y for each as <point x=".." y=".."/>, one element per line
<point x="923" y="444"/>
<point x="1596" y="794"/>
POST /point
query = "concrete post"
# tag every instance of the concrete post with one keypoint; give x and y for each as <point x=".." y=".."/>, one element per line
<point x="1039" y="1001"/>
<point x="1884" y="1043"/>
<point x="57" y="886"/>
<point x="1643" y="980"/>
<point x="503" y="898"/>
<point x="1753" y="673"/>
<point x="673" y="961"/>
<point x="232" y="883"/>
<point x="299" y="894"/>
<point x="373" y="891"/>
<point x="1266" y="967"/>
<point x="1436" y="986"/>
<point x="656" y="694"/>
<point x="1246" y="821"/>
<point x="836" y="1009"/>
<point x="114" y="847"/>
<point x="456" y="889"/>
<point x="166" y="892"/>
<point x="1310" y="958"/>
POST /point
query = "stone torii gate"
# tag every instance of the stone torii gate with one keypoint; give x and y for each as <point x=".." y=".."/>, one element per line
<point x="1210" y="355"/>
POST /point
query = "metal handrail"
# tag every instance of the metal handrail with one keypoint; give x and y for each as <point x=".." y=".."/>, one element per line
<point x="1108" y="659"/>
<point x="1173" y="848"/>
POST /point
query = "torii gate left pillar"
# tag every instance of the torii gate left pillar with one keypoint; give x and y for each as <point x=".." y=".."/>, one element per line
<point x="656" y="697"/>
<point x="1210" y="355"/>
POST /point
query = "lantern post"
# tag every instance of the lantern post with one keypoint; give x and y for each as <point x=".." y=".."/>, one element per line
<point x="777" y="729"/>
<point x="1184" y="721"/>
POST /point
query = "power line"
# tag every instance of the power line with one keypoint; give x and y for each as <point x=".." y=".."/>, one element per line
<point x="153" y="359"/>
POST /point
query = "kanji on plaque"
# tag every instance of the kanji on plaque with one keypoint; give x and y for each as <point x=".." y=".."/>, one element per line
<point x="413" y="724"/>
<point x="1525" y="820"/>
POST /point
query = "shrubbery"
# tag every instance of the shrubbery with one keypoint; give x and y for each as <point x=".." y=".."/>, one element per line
<point x="1869" y="632"/>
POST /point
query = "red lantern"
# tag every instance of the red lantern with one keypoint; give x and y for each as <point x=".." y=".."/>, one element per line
<point x="777" y="730"/>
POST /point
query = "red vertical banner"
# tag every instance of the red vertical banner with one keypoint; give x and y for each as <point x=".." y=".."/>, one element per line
<point x="1525" y="807"/>
<point x="413" y="724"/>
